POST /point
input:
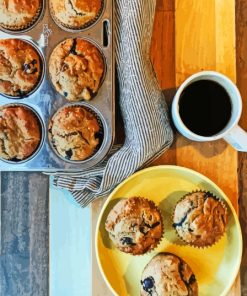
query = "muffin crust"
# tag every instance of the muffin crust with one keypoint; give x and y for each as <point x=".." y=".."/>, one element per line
<point x="20" y="67"/>
<point x="18" y="14"/>
<point x="76" y="68"/>
<point x="200" y="219"/>
<point x="75" y="14"/>
<point x="134" y="225"/>
<point x="168" y="275"/>
<point x="73" y="133"/>
<point x="20" y="133"/>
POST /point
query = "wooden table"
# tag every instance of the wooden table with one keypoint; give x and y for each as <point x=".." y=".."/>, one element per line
<point x="190" y="36"/>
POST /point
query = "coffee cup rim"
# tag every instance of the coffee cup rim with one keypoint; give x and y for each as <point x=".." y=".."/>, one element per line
<point x="175" y="107"/>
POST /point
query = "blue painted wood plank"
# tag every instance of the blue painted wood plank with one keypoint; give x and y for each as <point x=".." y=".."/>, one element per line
<point x="70" y="246"/>
<point x="24" y="234"/>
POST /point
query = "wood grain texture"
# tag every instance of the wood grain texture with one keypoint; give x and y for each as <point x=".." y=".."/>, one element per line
<point x="241" y="37"/>
<point x="24" y="255"/>
<point x="188" y="37"/>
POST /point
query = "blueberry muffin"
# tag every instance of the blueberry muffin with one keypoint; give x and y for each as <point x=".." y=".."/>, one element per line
<point x="74" y="133"/>
<point x="168" y="275"/>
<point x="20" y="133"/>
<point x="200" y="219"/>
<point x="76" y="68"/>
<point x="20" y="69"/>
<point x="75" y="14"/>
<point x="135" y="225"/>
<point x="19" y="14"/>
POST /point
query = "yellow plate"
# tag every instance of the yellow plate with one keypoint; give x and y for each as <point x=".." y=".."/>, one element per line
<point x="215" y="267"/>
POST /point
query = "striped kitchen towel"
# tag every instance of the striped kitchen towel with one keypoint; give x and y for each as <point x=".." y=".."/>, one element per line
<point x="147" y="129"/>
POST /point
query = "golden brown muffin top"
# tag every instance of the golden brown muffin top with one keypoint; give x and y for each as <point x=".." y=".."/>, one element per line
<point x="18" y="13"/>
<point x="76" y="68"/>
<point x="73" y="133"/>
<point x="200" y="219"/>
<point x="168" y="275"/>
<point x="75" y="13"/>
<point x="20" y="133"/>
<point x="20" y="67"/>
<point x="134" y="225"/>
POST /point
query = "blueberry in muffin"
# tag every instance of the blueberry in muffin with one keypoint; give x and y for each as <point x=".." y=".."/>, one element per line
<point x="168" y="275"/>
<point x="21" y="68"/>
<point x="76" y="68"/>
<point x="135" y="225"/>
<point x="200" y="219"/>
<point x="74" y="133"/>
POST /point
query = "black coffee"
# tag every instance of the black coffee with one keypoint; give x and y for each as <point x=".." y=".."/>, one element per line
<point x="205" y="107"/>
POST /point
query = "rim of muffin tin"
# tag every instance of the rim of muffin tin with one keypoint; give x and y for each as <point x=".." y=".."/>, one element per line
<point x="93" y="42"/>
<point x="42" y="74"/>
<point x="103" y="127"/>
<point x="42" y="131"/>
<point x="29" y="26"/>
<point x="85" y="27"/>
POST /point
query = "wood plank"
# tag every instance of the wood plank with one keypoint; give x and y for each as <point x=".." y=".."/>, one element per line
<point x="162" y="50"/>
<point x="203" y="50"/>
<point x="165" y="5"/>
<point x="241" y="37"/>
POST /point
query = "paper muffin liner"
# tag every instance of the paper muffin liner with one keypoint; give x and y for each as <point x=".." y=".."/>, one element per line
<point x="181" y="260"/>
<point x="100" y="134"/>
<point x="28" y="26"/>
<point x="85" y="26"/>
<point x="216" y="198"/>
<point x="158" y="241"/>
<point x="40" y="77"/>
<point x="93" y="94"/>
<point x="42" y="133"/>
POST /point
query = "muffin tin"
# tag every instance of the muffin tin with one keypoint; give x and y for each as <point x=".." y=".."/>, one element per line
<point x="45" y="34"/>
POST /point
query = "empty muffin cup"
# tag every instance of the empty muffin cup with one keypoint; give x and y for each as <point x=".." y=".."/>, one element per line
<point x="20" y="17"/>
<point x="22" y="68"/>
<point x="21" y="133"/>
<point x="75" y="16"/>
<point x="76" y="132"/>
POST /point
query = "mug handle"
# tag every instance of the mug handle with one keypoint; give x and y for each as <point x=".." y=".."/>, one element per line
<point x="237" y="138"/>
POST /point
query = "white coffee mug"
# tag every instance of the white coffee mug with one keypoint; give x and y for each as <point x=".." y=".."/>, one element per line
<point x="232" y="132"/>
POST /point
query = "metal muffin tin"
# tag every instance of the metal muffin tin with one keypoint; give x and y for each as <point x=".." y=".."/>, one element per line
<point x="45" y="35"/>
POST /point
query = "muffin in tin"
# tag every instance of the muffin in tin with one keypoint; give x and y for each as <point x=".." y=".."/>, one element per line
<point x="19" y="14"/>
<point x="74" y="133"/>
<point x="76" y="14"/>
<point x="20" y="132"/>
<point x="135" y="225"/>
<point x="21" y="67"/>
<point x="167" y="275"/>
<point x="200" y="219"/>
<point x="76" y="68"/>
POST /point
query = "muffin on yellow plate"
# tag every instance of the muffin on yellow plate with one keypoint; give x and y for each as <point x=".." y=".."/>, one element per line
<point x="21" y="67"/>
<point x="18" y="15"/>
<point x="168" y="275"/>
<point x="20" y="132"/>
<point x="73" y="132"/>
<point x="76" y="68"/>
<point x="135" y="225"/>
<point x="200" y="219"/>
<point x="75" y="14"/>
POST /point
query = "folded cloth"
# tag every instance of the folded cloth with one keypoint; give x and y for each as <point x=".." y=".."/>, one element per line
<point x="142" y="104"/>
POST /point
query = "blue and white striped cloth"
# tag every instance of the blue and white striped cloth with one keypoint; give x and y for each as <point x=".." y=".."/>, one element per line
<point x="147" y="129"/>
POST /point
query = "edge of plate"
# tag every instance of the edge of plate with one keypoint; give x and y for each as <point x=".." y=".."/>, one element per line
<point x="172" y="167"/>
